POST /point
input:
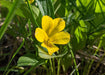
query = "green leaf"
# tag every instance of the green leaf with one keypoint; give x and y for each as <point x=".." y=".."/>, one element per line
<point x="23" y="10"/>
<point x="60" y="6"/>
<point x="43" y="54"/>
<point x="8" y="5"/>
<point x="78" y="45"/>
<point x="100" y="6"/>
<point x="82" y="28"/>
<point x="99" y="20"/>
<point x="46" y="7"/>
<point x="86" y="8"/>
<point x="83" y="2"/>
<point x="35" y="11"/>
<point x="99" y="32"/>
<point x="29" y="60"/>
<point x="86" y="5"/>
<point x="80" y="36"/>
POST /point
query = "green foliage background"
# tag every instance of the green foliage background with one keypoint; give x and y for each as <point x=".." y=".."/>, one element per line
<point x="85" y="21"/>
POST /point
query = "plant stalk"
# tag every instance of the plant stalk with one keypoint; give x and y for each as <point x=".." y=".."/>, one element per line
<point x="58" y="69"/>
<point x="72" y="54"/>
<point x="99" y="45"/>
<point x="32" y="13"/>
<point x="51" y="66"/>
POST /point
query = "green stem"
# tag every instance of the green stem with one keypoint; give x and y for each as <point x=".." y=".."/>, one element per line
<point x="98" y="64"/>
<point x="14" y="55"/>
<point x="32" y="13"/>
<point x="51" y="66"/>
<point x="58" y="69"/>
<point x="99" y="45"/>
<point x="74" y="69"/>
<point x="29" y="23"/>
<point x="30" y="31"/>
<point x="9" y="17"/>
<point x="10" y="70"/>
<point x="72" y="54"/>
<point x="64" y="70"/>
<point x="54" y="66"/>
<point x="66" y="10"/>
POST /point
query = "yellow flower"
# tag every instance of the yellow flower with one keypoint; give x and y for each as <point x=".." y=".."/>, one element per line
<point x="51" y="33"/>
<point x="30" y="1"/>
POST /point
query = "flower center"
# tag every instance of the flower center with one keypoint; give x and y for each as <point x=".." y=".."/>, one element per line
<point x="48" y="43"/>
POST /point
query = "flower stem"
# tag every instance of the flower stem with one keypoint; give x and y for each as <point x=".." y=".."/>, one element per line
<point x="14" y="55"/>
<point x="54" y="67"/>
<point x="58" y="69"/>
<point x="72" y="54"/>
<point x="32" y="13"/>
<point x="64" y="70"/>
<point x="51" y="66"/>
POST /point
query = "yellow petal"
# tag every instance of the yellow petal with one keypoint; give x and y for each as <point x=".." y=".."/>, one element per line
<point x="31" y="1"/>
<point x="40" y="35"/>
<point x="50" y="47"/>
<point x="59" y="25"/>
<point x="60" y="38"/>
<point x="47" y="24"/>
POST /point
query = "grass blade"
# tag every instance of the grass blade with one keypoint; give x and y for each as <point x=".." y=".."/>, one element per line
<point x="14" y="55"/>
<point x="32" y="13"/>
<point x="9" y="17"/>
<point x="46" y="7"/>
<point x="72" y="54"/>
